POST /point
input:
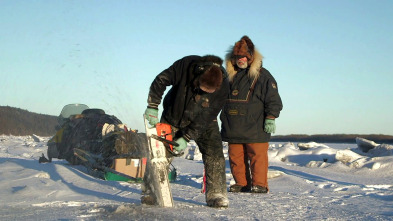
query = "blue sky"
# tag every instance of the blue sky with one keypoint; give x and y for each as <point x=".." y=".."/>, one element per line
<point x="332" y="59"/>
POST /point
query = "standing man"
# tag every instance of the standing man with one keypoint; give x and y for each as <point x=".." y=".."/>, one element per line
<point x="198" y="93"/>
<point x="248" y="117"/>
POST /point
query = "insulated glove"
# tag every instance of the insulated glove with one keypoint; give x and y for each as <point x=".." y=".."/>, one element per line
<point x="151" y="115"/>
<point x="270" y="126"/>
<point x="182" y="144"/>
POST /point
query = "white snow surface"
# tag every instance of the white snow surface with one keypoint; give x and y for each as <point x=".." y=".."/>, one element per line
<point x="324" y="182"/>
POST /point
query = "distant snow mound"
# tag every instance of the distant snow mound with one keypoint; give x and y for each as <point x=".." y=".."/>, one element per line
<point x="309" y="145"/>
<point x="289" y="145"/>
<point x="372" y="159"/>
<point x="381" y="150"/>
<point x="373" y="149"/>
<point x="365" y="145"/>
<point x="347" y="156"/>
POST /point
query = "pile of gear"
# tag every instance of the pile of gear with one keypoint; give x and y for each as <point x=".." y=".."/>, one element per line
<point x="92" y="138"/>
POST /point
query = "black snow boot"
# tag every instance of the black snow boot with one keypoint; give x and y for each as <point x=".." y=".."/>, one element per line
<point x="236" y="188"/>
<point x="259" y="189"/>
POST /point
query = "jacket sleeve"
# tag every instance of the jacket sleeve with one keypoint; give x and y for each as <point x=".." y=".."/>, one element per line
<point x="169" y="76"/>
<point x="273" y="103"/>
<point x="194" y="130"/>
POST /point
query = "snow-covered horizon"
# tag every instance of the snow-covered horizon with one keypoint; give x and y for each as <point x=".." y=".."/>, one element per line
<point x="307" y="181"/>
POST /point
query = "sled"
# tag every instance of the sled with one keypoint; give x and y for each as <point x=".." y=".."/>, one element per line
<point x="156" y="179"/>
<point x="93" y="163"/>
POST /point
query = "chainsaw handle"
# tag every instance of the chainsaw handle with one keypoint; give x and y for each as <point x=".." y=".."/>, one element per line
<point x="164" y="140"/>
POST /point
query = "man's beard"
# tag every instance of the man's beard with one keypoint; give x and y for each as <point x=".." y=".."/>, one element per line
<point x="242" y="65"/>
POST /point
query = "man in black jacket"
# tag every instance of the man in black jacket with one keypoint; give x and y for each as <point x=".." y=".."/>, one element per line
<point x="199" y="90"/>
<point x="248" y="117"/>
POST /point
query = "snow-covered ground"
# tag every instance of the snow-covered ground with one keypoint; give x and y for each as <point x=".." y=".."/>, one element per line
<point x="319" y="182"/>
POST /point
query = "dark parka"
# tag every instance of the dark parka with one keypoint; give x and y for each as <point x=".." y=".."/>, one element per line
<point x="253" y="96"/>
<point x="186" y="107"/>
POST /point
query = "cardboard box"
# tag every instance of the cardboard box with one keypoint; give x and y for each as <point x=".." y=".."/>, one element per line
<point x="131" y="167"/>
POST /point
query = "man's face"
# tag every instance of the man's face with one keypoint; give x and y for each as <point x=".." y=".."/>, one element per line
<point x="242" y="62"/>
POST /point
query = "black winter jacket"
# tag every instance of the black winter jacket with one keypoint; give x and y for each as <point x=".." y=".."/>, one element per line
<point x="250" y="101"/>
<point x="186" y="107"/>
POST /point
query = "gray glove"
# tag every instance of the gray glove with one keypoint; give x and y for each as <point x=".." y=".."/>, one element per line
<point x="270" y="126"/>
<point x="182" y="144"/>
<point x="151" y="115"/>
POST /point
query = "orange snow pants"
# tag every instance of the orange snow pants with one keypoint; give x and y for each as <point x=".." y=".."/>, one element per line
<point x="249" y="163"/>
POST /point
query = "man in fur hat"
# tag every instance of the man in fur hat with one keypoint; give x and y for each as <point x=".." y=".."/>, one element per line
<point x="248" y="117"/>
<point x="199" y="89"/>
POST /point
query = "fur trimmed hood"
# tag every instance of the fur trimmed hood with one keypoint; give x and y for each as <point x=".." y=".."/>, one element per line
<point x="244" y="47"/>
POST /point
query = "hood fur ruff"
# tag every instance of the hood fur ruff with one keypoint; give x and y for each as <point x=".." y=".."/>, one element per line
<point x="254" y="67"/>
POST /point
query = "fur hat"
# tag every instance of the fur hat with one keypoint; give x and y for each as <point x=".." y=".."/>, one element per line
<point x="244" y="48"/>
<point x="211" y="78"/>
<point x="212" y="75"/>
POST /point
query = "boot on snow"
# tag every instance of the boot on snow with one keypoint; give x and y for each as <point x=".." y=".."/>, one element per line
<point x="147" y="196"/>
<point x="217" y="200"/>
<point x="148" y="200"/>
<point x="259" y="189"/>
<point x="236" y="188"/>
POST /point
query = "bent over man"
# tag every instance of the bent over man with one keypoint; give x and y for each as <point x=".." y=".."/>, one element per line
<point x="199" y="88"/>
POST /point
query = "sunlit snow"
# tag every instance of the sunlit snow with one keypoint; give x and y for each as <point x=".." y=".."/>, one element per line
<point x="308" y="181"/>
